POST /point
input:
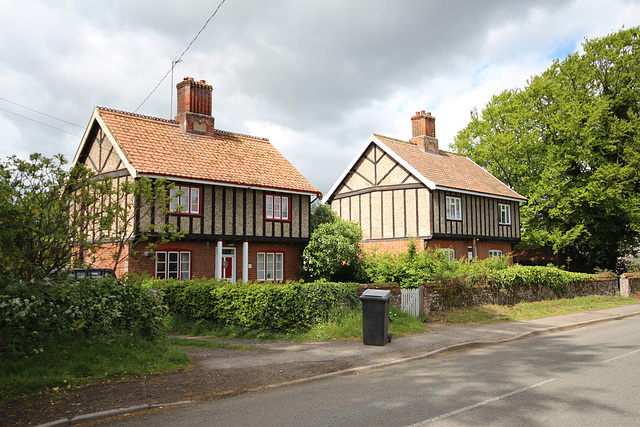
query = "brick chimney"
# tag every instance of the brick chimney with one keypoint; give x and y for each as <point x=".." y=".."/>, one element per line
<point x="424" y="132"/>
<point x="194" y="107"/>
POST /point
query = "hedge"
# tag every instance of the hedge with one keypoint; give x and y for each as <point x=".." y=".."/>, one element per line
<point x="270" y="306"/>
<point x="101" y="309"/>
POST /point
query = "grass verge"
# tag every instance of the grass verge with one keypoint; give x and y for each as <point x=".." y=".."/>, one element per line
<point x="527" y="310"/>
<point x="347" y="325"/>
<point x="203" y="343"/>
<point x="63" y="365"/>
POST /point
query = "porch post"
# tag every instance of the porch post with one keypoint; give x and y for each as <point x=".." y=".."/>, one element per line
<point x="219" y="260"/>
<point x="245" y="261"/>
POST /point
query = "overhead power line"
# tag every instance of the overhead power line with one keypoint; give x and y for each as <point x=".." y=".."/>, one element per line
<point x="173" y="63"/>
<point x="39" y="112"/>
<point x="42" y="123"/>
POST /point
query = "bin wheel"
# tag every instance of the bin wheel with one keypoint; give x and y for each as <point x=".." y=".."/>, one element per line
<point x="389" y="338"/>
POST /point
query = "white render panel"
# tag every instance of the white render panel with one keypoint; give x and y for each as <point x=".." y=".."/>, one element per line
<point x="399" y="214"/>
<point x="376" y="215"/>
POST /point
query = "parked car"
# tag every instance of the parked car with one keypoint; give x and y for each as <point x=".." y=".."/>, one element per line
<point x="93" y="273"/>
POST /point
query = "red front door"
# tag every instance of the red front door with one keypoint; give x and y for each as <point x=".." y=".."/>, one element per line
<point x="227" y="267"/>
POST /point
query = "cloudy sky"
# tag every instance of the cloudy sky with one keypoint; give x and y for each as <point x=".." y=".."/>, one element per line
<point x="316" y="77"/>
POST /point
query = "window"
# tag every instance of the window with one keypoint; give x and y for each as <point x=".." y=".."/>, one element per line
<point x="277" y="207"/>
<point x="185" y="200"/>
<point x="270" y="266"/>
<point x="454" y="210"/>
<point x="173" y="265"/>
<point x="495" y="253"/>
<point x="505" y="214"/>
<point x="451" y="253"/>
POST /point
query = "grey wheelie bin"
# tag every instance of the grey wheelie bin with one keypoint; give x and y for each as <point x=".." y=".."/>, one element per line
<point x="375" y="316"/>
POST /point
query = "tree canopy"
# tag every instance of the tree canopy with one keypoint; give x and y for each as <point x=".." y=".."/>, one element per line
<point x="52" y="218"/>
<point x="570" y="142"/>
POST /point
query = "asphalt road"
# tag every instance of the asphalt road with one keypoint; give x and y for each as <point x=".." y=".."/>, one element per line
<point x="582" y="377"/>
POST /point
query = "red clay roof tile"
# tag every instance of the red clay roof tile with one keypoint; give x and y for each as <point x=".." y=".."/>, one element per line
<point x="160" y="147"/>
<point x="449" y="170"/>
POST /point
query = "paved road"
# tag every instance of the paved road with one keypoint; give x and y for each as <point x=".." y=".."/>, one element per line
<point x="581" y="377"/>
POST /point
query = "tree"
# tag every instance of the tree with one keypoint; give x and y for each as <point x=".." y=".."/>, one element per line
<point x="38" y="237"/>
<point x="333" y="251"/>
<point x="320" y="214"/>
<point x="570" y="142"/>
<point x="52" y="218"/>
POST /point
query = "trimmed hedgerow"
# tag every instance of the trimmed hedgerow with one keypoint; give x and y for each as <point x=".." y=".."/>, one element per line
<point x="259" y="306"/>
<point x="537" y="276"/>
<point x="99" y="309"/>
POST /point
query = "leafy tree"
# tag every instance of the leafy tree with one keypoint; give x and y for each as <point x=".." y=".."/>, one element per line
<point x="320" y="214"/>
<point x="38" y="237"/>
<point x="570" y="142"/>
<point x="333" y="251"/>
<point x="52" y="218"/>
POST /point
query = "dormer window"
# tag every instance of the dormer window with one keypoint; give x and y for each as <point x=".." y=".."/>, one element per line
<point x="185" y="200"/>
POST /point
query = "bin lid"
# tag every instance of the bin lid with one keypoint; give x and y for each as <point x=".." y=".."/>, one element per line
<point x="376" y="294"/>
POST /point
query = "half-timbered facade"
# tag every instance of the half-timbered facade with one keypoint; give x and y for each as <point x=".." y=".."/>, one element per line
<point x="243" y="208"/>
<point x="401" y="190"/>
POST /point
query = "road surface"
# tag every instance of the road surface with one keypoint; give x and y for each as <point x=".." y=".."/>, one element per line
<point x="588" y="376"/>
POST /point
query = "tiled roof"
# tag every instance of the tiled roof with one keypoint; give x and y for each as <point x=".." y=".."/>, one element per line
<point x="160" y="147"/>
<point x="449" y="170"/>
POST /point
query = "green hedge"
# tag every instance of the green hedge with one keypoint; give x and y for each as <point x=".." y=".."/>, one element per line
<point x="271" y="306"/>
<point x="102" y="309"/>
<point x="536" y="276"/>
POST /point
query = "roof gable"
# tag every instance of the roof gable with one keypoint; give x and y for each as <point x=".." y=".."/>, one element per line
<point x="443" y="171"/>
<point x="159" y="147"/>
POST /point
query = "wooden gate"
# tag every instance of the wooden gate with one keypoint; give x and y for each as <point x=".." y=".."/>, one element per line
<point x="411" y="301"/>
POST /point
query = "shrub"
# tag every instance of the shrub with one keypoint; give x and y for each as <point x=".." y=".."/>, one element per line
<point x="333" y="248"/>
<point x="99" y="309"/>
<point x="272" y="306"/>
<point x="411" y="268"/>
<point x="537" y="276"/>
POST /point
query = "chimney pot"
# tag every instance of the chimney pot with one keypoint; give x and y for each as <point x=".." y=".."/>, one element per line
<point x="422" y="112"/>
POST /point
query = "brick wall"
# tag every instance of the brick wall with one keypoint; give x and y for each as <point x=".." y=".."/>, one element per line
<point x="461" y="247"/>
<point x="203" y="258"/>
<point x="392" y="246"/>
<point x="104" y="258"/>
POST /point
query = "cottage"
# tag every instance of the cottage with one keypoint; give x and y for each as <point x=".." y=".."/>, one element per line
<point x="412" y="190"/>
<point x="243" y="207"/>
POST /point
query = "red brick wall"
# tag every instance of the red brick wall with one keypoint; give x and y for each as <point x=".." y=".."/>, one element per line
<point x="461" y="247"/>
<point x="203" y="259"/>
<point x="103" y="258"/>
<point x="393" y="246"/>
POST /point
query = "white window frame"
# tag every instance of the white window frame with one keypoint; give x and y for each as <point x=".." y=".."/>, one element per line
<point x="270" y="266"/>
<point x="276" y="207"/>
<point x="173" y="265"/>
<point x="505" y="214"/>
<point x="187" y="202"/>
<point x="495" y="253"/>
<point x="451" y="253"/>
<point x="454" y="208"/>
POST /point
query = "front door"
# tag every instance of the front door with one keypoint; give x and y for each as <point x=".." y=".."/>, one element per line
<point x="229" y="264"/>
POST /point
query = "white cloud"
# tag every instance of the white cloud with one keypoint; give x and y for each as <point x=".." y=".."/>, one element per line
<point x="316" y="78"/>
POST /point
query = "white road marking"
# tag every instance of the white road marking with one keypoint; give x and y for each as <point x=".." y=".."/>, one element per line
<point x="622" y="355"/>
<point x="477" y="405"/>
